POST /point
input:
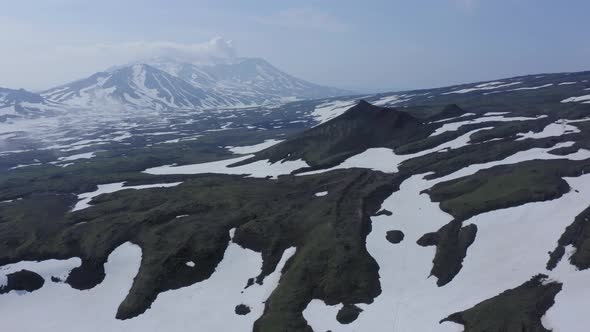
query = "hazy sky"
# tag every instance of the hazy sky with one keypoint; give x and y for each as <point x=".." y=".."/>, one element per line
<point x="363" y="45"/>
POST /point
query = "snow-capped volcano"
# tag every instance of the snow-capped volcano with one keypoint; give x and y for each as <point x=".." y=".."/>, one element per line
<point x="167" y="84"/>
<point x="251" y="80"/>
<point x="137" y="86"/>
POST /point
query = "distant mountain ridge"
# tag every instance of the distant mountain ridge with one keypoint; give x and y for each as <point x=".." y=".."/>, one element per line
<point x="167" y="84"/>
<point x="136" y="86"/>
<point x="18" y="103"/>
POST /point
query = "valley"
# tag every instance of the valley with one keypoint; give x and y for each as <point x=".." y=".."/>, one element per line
<point x="461" y="208"/>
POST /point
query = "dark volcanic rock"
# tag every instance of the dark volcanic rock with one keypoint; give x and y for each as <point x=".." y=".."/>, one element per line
<point x="23" y="280"/>
<point x="395" y="236"/>
<point x="242" y="309"/>
<point x="451" y="243"/>
<point x="86" y="276"/>
<point x="518" y="309"/>
<point x="506" y="186"/>
<point x="563" y="151"/>
<point x="348" y="314"/>
<point x="269" y="216"/>
<point x="578" y="235"/>
<point x="384" y="212"/>
<point x="361" y="127"/>
<point x="449" y="111"/>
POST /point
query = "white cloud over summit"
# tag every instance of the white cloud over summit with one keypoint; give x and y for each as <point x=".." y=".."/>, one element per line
<point x="63" y="63"/>
<point x="119" y="53"/>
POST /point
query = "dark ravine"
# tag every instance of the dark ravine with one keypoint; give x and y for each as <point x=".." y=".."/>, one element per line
<point x="517" y="309"/>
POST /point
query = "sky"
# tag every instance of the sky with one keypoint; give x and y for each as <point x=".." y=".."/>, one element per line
<point x="365" y="46"/>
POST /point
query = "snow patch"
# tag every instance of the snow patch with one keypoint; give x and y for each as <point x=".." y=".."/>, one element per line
<point x="253" y="148"/>
<point x="387" y="161"/>
<point x="485" y="86"/>
<point x="327" y="111"/>
<point x="558" y="128"/>
<point x="454" y="126"/>
<point x="577" y="99"/>
<point x="257" y="169"/>
<point x="85" y="198"/>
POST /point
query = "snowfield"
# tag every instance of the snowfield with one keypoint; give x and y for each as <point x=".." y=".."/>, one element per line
<point x="411" y="301"/>
<point x="257" y="169"/>
<point x="204" y="306"/>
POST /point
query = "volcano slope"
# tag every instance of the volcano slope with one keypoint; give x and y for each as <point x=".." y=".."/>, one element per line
<point x="492" y="204"/>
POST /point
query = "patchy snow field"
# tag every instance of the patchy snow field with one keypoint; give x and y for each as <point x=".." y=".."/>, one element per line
<point x="387" y="161"/>
<point x="411" y="301"/>
<point x="204" y="306"/>
<point x="454" y="126"/>
<point x="257" y="169"/>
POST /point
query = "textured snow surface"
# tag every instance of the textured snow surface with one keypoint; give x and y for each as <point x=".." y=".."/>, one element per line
<point x="257" y="169"/>
<point x="569" y="313"/>
<point x="87" y="155"/>
<point x="488" y="117"/>
<point x="328" y="111"/>
<point x="533" y="87"/>
<point x="454" y="118"/>
<point x="484" y="86"/>
<point x="509" y="240"/>
<point x="584" y="99"/>
<point x="558" y="128"/>
<point x="253" y="148"/>
<point x="85" y="198"/>
<point x="58" y="307"/>
<point x="205" y="306"/>
<point x="392" y="100"/>
<point x="46" y="269"/>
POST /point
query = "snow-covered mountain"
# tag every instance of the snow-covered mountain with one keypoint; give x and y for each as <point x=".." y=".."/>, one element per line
<point x="166" y="84"/>
<point x="250" y="80"/>
<point x="19" y="103"/>
<point x="137" y="86"/>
